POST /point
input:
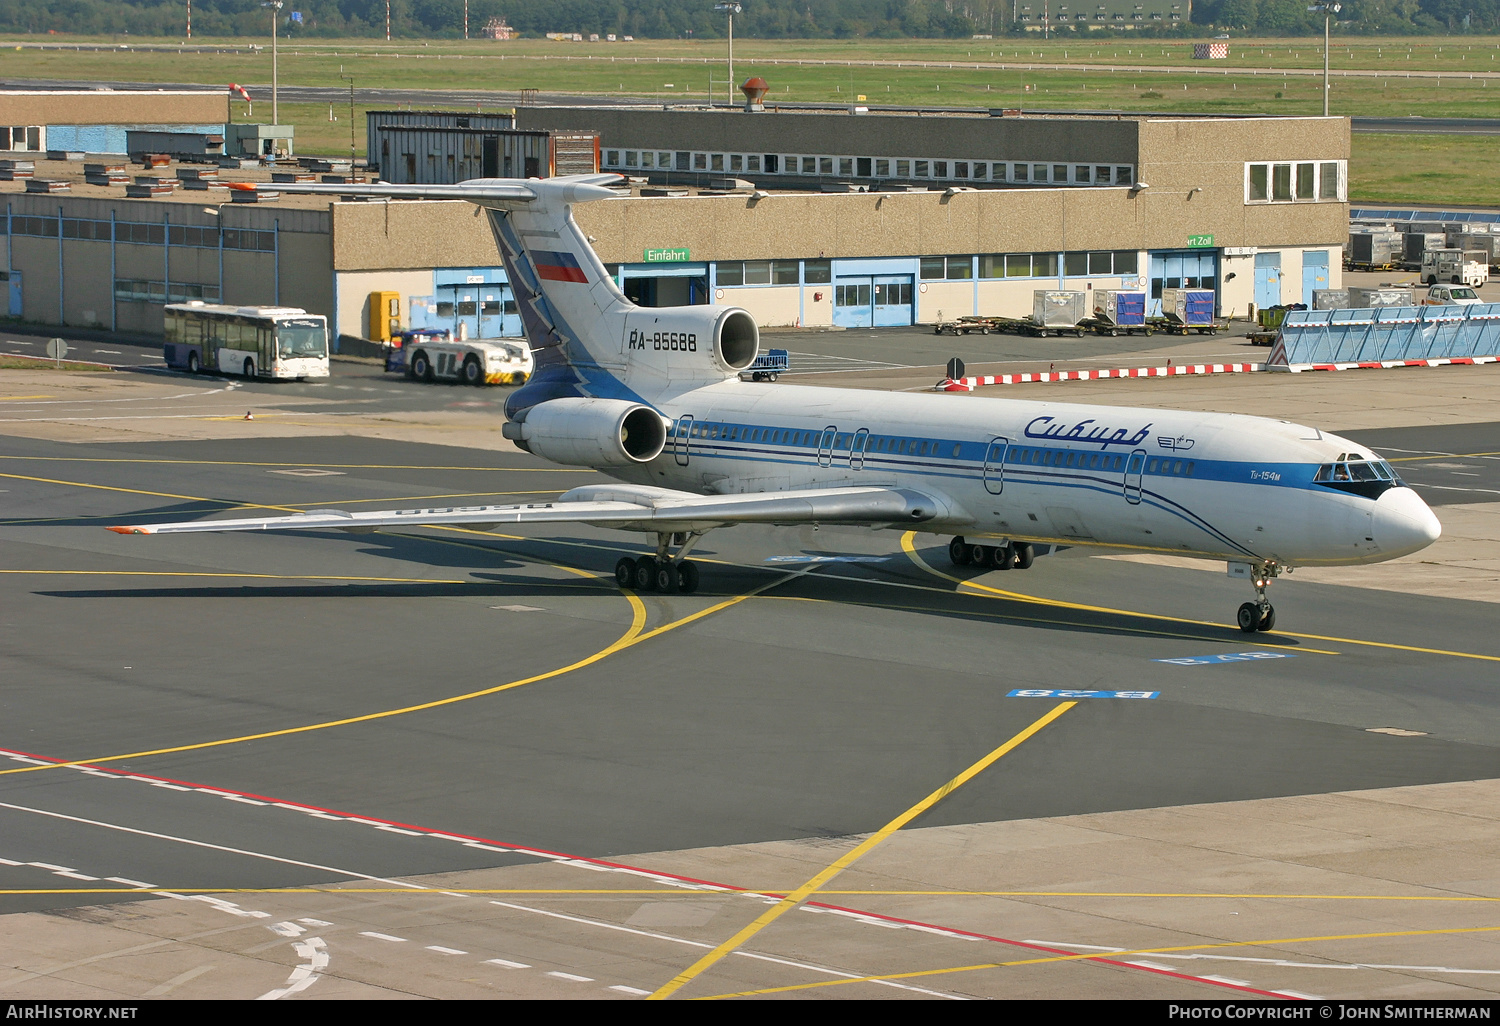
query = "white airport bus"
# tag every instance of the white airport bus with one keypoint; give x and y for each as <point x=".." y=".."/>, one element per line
<point x="255" y="341"/>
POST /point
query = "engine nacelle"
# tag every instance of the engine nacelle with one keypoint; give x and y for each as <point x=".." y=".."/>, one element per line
<point x="590" y="432"/>
<point x="691" y="341"/>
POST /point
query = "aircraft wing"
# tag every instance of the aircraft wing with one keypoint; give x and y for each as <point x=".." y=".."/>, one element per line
<point x="635" y="507"/>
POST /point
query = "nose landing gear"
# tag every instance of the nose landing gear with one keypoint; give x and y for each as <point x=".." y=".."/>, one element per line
<point x="1259" y="615"/>
<point x="661" y="572"/>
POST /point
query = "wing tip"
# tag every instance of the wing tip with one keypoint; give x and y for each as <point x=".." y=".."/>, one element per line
<point x="129" y="530"/>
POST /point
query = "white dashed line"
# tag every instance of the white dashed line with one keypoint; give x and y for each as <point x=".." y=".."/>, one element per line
<point x="382" y="936"/>
<point x="127" y="882"/>
<point x="507" y="963"/>
<point x="632" y="990"/>
<point x="570" y="976"/>
<point x="445" y="951"/>
<point x="398" y="830"/>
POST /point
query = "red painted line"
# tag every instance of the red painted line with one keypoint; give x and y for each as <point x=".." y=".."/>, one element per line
<point x="637" y="869"/>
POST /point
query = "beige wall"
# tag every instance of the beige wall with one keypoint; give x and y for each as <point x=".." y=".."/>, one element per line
<point x="775" y="306"/>
<point x="802" y="225"/>
<point x="155" y="107"/>
<point x="405" y="234"/>
<point x="354" y="288"/>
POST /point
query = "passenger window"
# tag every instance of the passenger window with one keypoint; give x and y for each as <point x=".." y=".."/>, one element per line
<point x="1151" y="467"/>
<point x="1177" y="467"/>
<point x="1188" y="470"/>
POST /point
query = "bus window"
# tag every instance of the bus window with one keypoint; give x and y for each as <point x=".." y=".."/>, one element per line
<point x="298" y="339"/>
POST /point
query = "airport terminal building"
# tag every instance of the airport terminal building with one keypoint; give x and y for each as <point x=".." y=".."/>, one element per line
<point x="811" y="218"/>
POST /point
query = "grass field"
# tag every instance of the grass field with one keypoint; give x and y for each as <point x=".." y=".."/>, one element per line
<point x="1163" y="78"/>
<point x="888" y="71"/>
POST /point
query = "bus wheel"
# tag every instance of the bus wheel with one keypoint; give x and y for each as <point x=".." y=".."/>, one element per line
<point x="249" y="368"/>
<point x="473" y="373"/>
<point x="192" y="363"/>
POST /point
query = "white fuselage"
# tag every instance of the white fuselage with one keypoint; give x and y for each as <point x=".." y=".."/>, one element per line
<point x="1221" y="486"/>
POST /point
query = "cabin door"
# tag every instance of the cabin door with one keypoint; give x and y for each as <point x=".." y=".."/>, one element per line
<point x="1133" y="469"/>
<point x="680" y="440"/>
<point x="857" y="449"/>
<point x="994" y="465"/>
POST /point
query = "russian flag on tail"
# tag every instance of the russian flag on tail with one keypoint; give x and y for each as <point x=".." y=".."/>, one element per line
<point x="557" y="266"/>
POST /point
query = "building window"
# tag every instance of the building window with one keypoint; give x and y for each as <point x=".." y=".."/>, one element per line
<point x="700" y="162"/>
<point x="817" y="272"/>
<point x="752" y="162"/>
<point x="1328" y="181"/>
<point x="630" y="158"/>
<point x="716" y="162"/>
<point x="648" y="159"/>
<point x="825" y="165"/>
<point x="1082" y="174"/>
<point x="1305" y="181"/>
<point x="882" y="168"/>
<point x="773" y="163"/>
<point x="920" y="168"/>
<point x="940" y="169"/>
<point x="1039" y="172"/>
<point x="809" y="165"/>
<point x="903" y="169"/>
<point x="1059" y="172"/>
<point x="846" y="167"/>
<point x="736" y="162"/>
<point x="612" y="158"/>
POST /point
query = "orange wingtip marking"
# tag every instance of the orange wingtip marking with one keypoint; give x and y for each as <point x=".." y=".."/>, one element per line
<point x="242" y="186"/>
<point x="128" y="530"/>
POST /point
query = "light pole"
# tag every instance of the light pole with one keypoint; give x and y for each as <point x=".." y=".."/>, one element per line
<point x="1329" y="10"/>
<point x="350" y="80"/>
<point x="730" y="8"/>
<point x="275" y="6"/>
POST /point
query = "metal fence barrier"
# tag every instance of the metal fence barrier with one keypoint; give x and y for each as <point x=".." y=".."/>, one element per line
<point x="1389" y="335"/>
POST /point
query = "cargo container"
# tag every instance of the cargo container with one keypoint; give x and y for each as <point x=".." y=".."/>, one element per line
<point x="1188" y="306"/>
<point x="1414" y="244"/>
<point x="1332" y="299"/>
<point x="1055" y="308"/>
<point x="1121" y="309"/>
<point x="1373" y="251"/>
<point x="1386" y="295"/>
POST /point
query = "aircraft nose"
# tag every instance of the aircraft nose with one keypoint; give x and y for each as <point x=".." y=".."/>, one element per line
<point x="1403" y="522"/>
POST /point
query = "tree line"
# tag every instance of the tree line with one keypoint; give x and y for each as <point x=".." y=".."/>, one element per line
<point x="679" y="19"/>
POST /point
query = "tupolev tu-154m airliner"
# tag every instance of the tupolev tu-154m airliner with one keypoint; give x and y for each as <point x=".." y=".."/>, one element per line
<point x="652" y="397"/>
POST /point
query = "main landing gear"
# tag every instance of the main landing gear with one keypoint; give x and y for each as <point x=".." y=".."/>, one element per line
<point x="661" y="572"/>
<point x="993" y="557"/>
<point x="1259" y="615"/>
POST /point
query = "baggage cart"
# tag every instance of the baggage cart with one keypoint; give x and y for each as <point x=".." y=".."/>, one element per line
<point x="768" y="365"/>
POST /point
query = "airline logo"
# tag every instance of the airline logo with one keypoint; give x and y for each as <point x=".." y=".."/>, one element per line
<point x="557" y="266"/>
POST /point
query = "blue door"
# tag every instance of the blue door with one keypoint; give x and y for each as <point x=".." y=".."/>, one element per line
<point x="1314" y="273"/>
<point x="15" y="293"/>
<point x="1267" y="280"/>
<point x="853" y="303"/>
<point x="1182" y="269"/>
<point x="893" y="300"/>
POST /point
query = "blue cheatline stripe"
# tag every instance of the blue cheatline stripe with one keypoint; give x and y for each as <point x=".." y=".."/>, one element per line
<point x="951" y="471"/>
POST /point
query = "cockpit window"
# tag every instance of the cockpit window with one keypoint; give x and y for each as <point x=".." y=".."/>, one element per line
<point x="1362" y="472"/>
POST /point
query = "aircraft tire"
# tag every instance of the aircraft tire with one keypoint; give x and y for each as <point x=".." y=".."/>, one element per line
<point x="1268" y="621"/>
<point x="1002" y="557"/>
<point x="1249" y="617"/>
<point x="645" y="574"/>
<point x="625" y="572"/>
<point x="687" y="577"/>
<point x="960" y="552"/>
<point x="979" y="555"/>
<point x="667" y="578"/>
<point x="1024" y="556"/>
